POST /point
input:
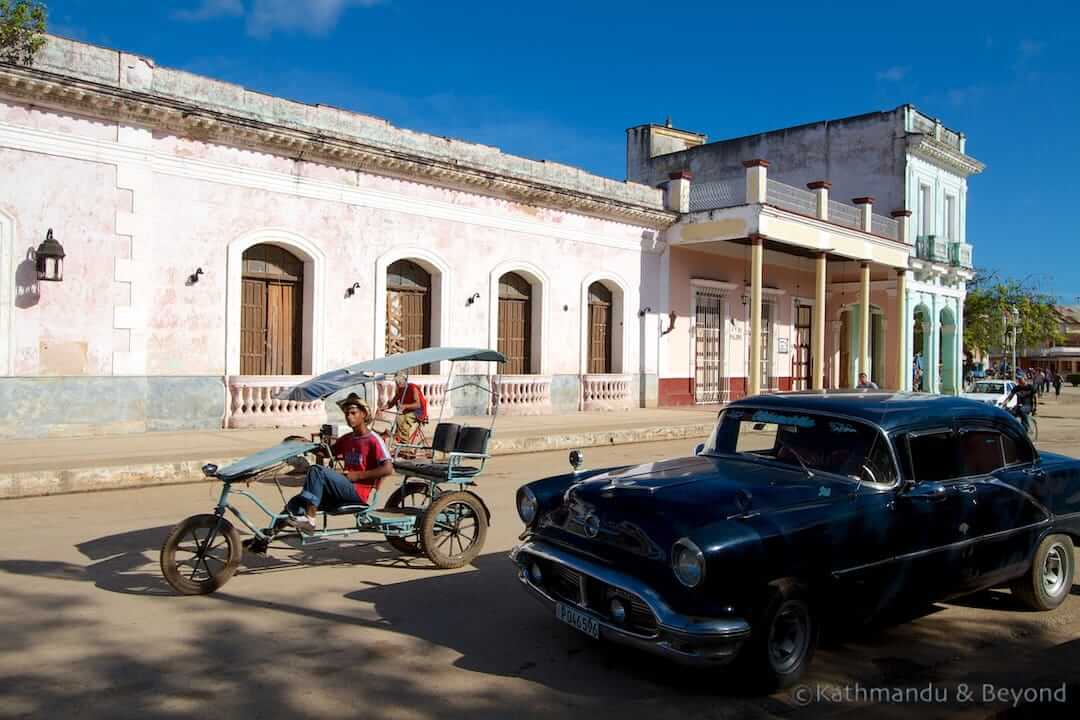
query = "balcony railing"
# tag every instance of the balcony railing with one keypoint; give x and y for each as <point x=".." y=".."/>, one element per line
<point x="523" y="394"/>
<point x="714" y="195"/>
<point x="252" y="403"/>
<point x="960" y="254"/>
<point x="433" y="387"/>
<point x="886" y="227"/>
<point x="932" y="248"/>
<point x="845" y="215"/>
<point x="791" y="198"/>
<point x="605" y="392"/>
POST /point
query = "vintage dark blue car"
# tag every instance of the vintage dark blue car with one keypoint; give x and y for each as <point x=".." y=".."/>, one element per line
<point x="801" y="505"/>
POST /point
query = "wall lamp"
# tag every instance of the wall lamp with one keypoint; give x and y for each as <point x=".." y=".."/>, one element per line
<point x="194" y="277"/>
<point x="49" y="259"/>
<point x="350" y="291"/>
<point x="473" y="298"/>
<point x="672" y="316"/>
<point x="642" y="311"/>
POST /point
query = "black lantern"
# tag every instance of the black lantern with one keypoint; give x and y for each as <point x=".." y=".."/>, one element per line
<point x="50" y="259"/>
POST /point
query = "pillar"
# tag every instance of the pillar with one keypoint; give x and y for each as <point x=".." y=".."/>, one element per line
<point x="821" y="188"/>
<point x="902" y="222"/>
<point x="866" y="212"/>
<point x="817" y="348"/>
<point x="757" y="180"/>
<point x="757" y="243"/>
<point x="678" y="191"/>
<point x="864" y="322"/>
<point x="903" y="359"/>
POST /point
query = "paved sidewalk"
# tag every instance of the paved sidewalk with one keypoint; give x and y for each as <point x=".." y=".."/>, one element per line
<point x="49" y="466"/>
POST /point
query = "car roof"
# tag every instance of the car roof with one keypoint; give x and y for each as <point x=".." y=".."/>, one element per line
<point x="887" y="409"/>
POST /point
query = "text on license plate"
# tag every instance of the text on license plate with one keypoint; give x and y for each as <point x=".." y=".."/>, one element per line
<point x="577" y="619"/>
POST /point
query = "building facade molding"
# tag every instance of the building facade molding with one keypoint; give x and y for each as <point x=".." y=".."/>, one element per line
<point x="43" y="88"/>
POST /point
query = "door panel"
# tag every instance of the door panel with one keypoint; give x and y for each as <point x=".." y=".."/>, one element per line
<point x="253" y="328"/>
<point x="514" y="335"/>
<point x="708" y="346"/>
<point x="599" y="338"/>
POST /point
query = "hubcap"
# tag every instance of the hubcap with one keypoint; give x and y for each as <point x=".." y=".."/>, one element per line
<point x="1054" y="570"/>
<point x="789" y="636"/>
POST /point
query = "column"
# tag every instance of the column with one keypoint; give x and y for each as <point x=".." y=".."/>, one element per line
<point x="834" y="375"/>
<point x="757" y="243"/>
<point x="903" y="359"/>
<point x="817" y="347"/>
<point x="866" y="212"/>
<point x="933" y="351"/>
<point x="901" y="217"/>
<point x="960" y="343"/>
<point x="757" y="180"/>
<point x="821" y="188"/>
<point x="677" y="197"/>
<point x="864" y="321"/>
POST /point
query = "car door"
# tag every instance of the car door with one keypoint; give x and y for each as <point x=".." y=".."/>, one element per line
<point x="1012" y="503"/>
<point x="934" y="517"/>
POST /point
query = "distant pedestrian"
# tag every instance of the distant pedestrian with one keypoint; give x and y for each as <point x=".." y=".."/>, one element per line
<point x="1057" y="384"/>
<point x="866" y="383"/>
<point x="1039" y="379"/>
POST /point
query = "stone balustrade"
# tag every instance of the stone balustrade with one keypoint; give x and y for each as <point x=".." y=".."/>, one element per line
<point x="523" y="394"/>
<point x="433" y="387"/>
<point x="251" y="403"/>
<point x="606" y="392"/>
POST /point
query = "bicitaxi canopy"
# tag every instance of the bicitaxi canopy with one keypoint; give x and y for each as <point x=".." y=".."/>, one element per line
<point x="325" y="385"/>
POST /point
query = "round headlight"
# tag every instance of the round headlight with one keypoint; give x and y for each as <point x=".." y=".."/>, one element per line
<point x="688" y="563"/>
<point x="618" y="610"/>
<point x="527" y="505"/>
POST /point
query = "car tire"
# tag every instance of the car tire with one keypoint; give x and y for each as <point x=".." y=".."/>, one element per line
<point x="785" y="634"/>
<point x="1049" y="580"/>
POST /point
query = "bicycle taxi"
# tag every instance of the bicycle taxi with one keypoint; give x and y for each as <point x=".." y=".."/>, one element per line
<point x="432" y="512"/>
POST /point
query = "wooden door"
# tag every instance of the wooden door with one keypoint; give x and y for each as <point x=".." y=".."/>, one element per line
<point x="599" y="329"/>
<point x="253" y="328"/>
<point x="271" y="321"/>
<point x="515" y="323"/>
<point x="708" y="345"/>
<point x="803" y="362"/>
<point x="408" y="309"/>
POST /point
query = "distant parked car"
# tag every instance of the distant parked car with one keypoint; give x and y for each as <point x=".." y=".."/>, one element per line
<point x="992" y="392"/>
<point x="801" y="506"/>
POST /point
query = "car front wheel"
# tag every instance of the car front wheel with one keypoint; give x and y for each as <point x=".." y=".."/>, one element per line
<point x="785" y="636"/>
<point x="1049" y="579"/>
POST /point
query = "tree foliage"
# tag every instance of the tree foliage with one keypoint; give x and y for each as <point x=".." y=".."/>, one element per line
<point x="22" y="28"/>
<point x="989" y="316"/>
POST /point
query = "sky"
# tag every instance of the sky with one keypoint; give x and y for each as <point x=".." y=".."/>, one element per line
<point x="562" y="80"/>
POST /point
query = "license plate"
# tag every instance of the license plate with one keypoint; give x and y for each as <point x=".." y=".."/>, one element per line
<point x="577" y="619"/>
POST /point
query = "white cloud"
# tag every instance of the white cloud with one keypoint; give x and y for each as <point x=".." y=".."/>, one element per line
<point x="210" y="9"/>
<point x="894" y="74"/>
<point x="265" y="17"/>
<point x="315" y="17"/>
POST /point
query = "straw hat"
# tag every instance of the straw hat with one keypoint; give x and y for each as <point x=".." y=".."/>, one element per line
<point x="354" y="400"/>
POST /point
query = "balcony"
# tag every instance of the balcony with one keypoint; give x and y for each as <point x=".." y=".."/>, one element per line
<point x="960" y="254"/>
<point x="932" y="248"/>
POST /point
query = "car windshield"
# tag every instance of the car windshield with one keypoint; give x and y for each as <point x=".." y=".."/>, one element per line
<point x="807" y="440"/>
<point x="991" y="388"/>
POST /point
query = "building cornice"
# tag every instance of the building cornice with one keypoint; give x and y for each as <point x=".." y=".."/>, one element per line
<point x="44" y="88"/>
<point x="926" y="148"/>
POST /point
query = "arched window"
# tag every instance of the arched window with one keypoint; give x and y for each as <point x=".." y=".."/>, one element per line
<point x="271" y="319"/>
<point x="600" y="328"/>
<point x="515" y="323"/>
<point x="408" y="307"/>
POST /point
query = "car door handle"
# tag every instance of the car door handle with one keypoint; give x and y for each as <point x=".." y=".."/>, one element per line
<point x="966" y="488"/>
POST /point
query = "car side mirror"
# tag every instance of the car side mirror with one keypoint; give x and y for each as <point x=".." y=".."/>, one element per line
<point x="699" y="449"/>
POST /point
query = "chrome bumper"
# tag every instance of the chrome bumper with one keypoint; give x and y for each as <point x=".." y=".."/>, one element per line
<point x="688" y="640"/>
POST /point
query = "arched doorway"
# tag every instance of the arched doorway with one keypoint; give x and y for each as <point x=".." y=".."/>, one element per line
<point x="515" y="323"/>
<point x="408" y="308"/>
<point x="272" y="312"/>
<point x="947" y="351"/>
<point x="600" y="328"/>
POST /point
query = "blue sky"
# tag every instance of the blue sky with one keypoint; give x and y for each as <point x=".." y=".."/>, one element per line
<point x="562" y="80"/>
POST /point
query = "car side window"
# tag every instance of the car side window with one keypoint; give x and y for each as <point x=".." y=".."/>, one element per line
<point x="981" y="452"/>
<point x="1017" y="452"/>
<point x="934" y="456"/>
<point x="879" y="467"/>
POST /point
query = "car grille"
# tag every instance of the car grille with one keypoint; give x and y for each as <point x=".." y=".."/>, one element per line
<point x="569" y="585"/>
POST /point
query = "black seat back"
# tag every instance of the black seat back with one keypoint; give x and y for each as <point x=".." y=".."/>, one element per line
<point x="473" y="440"/>
<point x="446" y="437"/>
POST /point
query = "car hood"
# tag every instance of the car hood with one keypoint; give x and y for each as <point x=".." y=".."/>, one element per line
<point x="706" y="488"/>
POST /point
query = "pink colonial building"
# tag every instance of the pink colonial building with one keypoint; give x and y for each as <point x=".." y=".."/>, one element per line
<point x="221" y="243"/>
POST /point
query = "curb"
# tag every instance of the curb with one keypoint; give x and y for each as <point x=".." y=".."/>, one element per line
<point x="37" y="483"/>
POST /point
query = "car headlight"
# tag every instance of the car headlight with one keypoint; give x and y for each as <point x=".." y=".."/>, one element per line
<point x="527" y="505"/>
<point x="688" y="563"/>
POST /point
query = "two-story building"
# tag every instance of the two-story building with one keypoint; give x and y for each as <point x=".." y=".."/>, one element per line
<point x="807" y="255"/>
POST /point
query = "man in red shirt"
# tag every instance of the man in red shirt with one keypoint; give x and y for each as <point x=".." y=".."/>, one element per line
<point x="366" y="461"/>
<point x="411" y="405"/>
